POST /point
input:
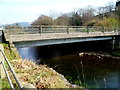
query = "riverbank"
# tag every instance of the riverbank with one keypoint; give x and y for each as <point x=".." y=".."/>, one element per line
<point x="41" y="76"/>
<point x="114" y="55"/>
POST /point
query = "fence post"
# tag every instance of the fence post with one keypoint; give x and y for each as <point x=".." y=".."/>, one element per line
<point x="67" y="29"/>
<point x="87" y="30"/>
<point x="40" y="29"/>
<point x="103" y="30"/>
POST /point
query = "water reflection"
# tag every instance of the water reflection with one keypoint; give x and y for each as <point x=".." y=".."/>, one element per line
<point x="99" y="72"/>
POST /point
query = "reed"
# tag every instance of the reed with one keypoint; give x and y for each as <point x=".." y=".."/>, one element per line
<point x="79" y="77"/>
<point x="105" y="82"/>
<point x="96" y="82"/>
<point x="83" y="74"/>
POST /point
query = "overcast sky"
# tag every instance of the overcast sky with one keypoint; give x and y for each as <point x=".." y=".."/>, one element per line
<point x="12" y="11"/>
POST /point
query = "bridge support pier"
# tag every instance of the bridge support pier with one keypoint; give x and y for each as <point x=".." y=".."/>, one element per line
<point x="116" y="43"/>
<point x="113" y="43"/>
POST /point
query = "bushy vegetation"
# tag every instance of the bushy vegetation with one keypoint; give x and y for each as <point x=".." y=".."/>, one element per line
<point x="107" y="22"/>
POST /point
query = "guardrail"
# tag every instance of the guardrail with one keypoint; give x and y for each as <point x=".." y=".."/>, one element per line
<point x="62" y="29"/>
<point x="12" y="71"/>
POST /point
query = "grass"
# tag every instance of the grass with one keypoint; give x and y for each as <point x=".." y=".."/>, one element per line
<point x="11" y="55"/>
<point x="41" y="76"/>
<point x="5" y="83"/>
<point x="116" y="53"/>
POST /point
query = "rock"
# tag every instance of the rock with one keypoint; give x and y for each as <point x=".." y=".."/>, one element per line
<point x="29" y="87"/>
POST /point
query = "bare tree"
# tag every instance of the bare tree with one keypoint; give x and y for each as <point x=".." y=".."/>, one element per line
<point x="87" y="14"/>
<point x="110" y="7"/>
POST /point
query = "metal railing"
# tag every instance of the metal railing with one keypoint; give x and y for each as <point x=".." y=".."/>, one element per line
<point x="62" y="29"/>
<point x="12" y="71"/>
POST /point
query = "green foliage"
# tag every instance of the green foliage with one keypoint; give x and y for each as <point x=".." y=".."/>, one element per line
<point x="107" y="22"/>
<point x="5" y="83"/>
<point x="76" y="20"/>
<point x="9" y="53"/>
<point x="116" y="53"/>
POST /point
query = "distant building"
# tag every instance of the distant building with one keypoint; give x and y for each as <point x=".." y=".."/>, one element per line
<point x="118" y="5"/>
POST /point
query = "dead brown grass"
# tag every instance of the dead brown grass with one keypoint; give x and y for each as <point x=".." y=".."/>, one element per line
<point x="41" y="76"/>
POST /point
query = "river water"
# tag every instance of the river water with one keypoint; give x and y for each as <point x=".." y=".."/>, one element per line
<point x="90" y="71"/>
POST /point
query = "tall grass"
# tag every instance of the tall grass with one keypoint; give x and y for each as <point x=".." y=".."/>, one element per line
<point x="96" y="82"/>
<point x="105" y="82"/>
<point x="79" y="77"/>
<point x="83" y="74"/>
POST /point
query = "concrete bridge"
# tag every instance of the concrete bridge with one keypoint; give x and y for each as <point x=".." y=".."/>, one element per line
<point x="49" y="35"/>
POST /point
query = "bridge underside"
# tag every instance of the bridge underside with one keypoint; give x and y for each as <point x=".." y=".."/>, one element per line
<point x="59" y="41"/>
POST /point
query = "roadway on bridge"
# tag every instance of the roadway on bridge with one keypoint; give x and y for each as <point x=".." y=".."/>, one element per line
<point x="50" y="36"/>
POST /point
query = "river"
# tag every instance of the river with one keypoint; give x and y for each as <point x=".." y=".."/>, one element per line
<point x="90" y="71"/>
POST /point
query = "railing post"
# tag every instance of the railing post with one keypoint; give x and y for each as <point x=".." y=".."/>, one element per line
<point x="87" y="29"/>
<point x="103" y="29"/>
<point x="115" y="30"/>
<point x="40" y="29"/>
<point x="67" y="29"/>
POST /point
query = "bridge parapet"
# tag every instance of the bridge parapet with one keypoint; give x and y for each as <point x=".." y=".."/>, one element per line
<point x="58" y="32"/>
<point x="36" y="29"/>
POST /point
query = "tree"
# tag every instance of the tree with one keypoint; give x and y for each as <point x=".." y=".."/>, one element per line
<point x="86" y="14"/>
<point x="118" y="10"/>
<point x="110" y="7"/>
<point x="107" y="22"/>
<point x="75" y="20"/>
<point x="62" y="20"/>
<point x="43" y="20"/>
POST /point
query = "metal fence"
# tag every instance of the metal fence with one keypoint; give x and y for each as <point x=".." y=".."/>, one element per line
<point x="12" y="71"/>
<point x="61" y="29"/>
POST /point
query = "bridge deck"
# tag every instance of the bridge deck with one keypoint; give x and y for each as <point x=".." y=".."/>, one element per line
<point x="49" y="36"/>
